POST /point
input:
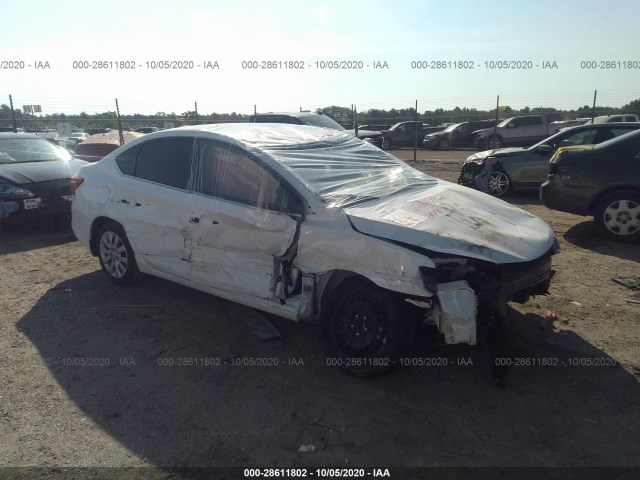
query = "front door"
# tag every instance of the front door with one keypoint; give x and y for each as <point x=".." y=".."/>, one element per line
<point x="239" y="224"/>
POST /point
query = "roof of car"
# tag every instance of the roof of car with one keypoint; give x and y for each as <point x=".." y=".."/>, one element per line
<point x="290" y="114"/>
<point x="263" y="134"/>
<point x="19" y="135"/>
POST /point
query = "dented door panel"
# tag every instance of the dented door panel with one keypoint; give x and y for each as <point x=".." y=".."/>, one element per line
<point x="233" y="247"/>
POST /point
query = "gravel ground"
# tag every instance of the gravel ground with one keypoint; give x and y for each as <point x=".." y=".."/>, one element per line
<point x="155" y="375"/>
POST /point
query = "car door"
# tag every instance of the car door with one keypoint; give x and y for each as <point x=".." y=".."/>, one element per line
<point x="150" y="201"/>
<point x="242" y="224"/>
<point x="532" y="167"/>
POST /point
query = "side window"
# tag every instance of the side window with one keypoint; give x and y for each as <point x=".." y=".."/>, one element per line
<point x="617" y="131"/>
<point x="516" y="122"/>
<point x="126" y="161"/>
<point x="615" y="119"/>
<point x="166" y="161"/>
<point x="584" y="137"/>
<point x="230" y="174"/>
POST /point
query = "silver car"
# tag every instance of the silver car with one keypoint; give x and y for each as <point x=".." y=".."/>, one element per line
<point x="498" y="171"/>
<point x="311" y="224"/>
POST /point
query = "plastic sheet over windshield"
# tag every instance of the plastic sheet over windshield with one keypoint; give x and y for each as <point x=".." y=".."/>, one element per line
<point x="344" y="171"/>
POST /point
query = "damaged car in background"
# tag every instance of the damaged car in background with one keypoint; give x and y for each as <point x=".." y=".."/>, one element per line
<point x="499" y="171"/>
<point x="312" y="224"/>
<point x="602" y="181"/>
<point x="34" y="179"/>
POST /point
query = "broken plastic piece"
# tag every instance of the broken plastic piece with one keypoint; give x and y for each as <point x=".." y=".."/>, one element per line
<point x="458" y="312"/>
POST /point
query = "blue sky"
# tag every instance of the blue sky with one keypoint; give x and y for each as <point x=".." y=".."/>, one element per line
<point x="567" y="32"/>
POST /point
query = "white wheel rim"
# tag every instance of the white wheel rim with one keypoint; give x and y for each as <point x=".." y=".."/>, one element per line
<point x="113" y="254"/>
<point x="498" y="183"/>
<point x="622" y="217"/>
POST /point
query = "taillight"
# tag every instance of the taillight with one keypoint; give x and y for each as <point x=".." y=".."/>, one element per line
<point x="76" y="181"/>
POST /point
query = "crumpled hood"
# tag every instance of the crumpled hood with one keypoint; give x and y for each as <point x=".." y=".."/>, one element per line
<point x="457" y="220"/>
<point x="498" y="152"/>
<point x="34" y="172"/>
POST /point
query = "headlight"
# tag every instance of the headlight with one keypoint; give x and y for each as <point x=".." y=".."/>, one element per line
<point x="13" y="192"/>
<point x="476" y="158"/>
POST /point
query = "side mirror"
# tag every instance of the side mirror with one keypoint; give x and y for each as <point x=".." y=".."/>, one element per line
<point x="545" y="149"/>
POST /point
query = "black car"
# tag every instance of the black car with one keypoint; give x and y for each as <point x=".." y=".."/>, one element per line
<point x="34" y="178"/>
<point x="456" y="135"/>
<point x="316" y="120"/>
<point x="602" y="181"/>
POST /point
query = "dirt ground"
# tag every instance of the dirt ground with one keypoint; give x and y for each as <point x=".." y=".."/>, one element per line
<point x="159" y="375"/>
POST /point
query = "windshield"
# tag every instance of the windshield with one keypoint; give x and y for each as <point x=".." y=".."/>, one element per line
<point x="26" y="150"/>
<point x="348" y="172"/>
<point x="451" y="128"/>
<point x="504" y="123"/>
<point x="321" y="121"/>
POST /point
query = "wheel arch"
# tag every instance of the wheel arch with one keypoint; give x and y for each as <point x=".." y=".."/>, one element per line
<point x="618" y="188"/>
<point x="95" y="228"/>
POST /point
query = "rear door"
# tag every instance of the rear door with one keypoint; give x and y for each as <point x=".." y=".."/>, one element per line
<point x="150" y="201"/>
<point x="242" y="223"/>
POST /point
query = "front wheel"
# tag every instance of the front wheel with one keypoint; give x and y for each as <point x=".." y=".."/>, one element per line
<point x="116" y="255"/>
<point x="361" y="328"/>
<point x="498" y="184"/>
<point x="617" y="216"/>
<point x="386" y="144"/>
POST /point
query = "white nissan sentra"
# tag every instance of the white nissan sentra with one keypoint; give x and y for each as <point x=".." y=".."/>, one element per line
<point x="311" y="224"/>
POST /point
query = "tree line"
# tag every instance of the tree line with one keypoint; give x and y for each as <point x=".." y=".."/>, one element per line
<point x="343" y="115"/>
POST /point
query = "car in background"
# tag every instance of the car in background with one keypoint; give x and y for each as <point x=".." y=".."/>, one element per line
<point x="34" y="178"/>
<point x="602" y="181"/>
<point x="498" y="171"/>
<point x="311" y="224"/>
<point x="316" y="120"/>
<point x="79" y="136"/>
<point x="146" y="129"/>
<point x="621" y="117"/>
<point x="456" y="135"/>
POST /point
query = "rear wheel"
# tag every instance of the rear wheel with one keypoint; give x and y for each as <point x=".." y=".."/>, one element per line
<point x="116" y="255"/>
<point x="361" y="328"/>
<point x="498" y="184"/>
<point x="617" y="216"/>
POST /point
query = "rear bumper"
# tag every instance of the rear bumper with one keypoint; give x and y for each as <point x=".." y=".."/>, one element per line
<point x="557" y="196"/>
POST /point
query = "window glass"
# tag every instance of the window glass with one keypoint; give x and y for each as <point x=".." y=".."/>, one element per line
<point x="166" y="161"/>
<point x="231" y="175"/>
<point x="126" y="161"/>
<point x="617" y="131"/>
<point x="584" y="137"/>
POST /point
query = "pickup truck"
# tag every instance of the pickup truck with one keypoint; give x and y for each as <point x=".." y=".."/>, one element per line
<point x="516" y="131"/>
<point x="403" y="134"/>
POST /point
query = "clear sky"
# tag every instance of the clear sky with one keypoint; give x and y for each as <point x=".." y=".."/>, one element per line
<point x="532" y="32"/>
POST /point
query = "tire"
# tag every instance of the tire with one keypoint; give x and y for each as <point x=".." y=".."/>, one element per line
<point x="362" y="329"/>
<point x="444" y="144"/>
<point x="494" y="142"/>
<point x="116" y="255"/>
<point x="498" y="184"/>
<point x="617" y="216"/>
<point x="386" y="144"/>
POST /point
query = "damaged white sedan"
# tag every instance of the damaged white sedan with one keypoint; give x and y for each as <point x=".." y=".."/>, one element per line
<point x="311" y="224"/>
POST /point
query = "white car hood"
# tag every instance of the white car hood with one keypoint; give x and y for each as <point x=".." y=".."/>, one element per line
<point x="452" y="219"/>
